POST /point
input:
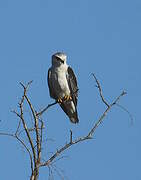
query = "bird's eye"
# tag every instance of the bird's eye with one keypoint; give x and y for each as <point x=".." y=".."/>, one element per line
<point x="60" y="60"/>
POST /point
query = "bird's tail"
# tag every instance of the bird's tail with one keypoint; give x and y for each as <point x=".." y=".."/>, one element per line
<point x="74" y="118"/>
<point x="71" y="110"/>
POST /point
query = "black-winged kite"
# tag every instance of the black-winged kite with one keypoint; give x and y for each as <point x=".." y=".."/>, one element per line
<point x="62" y="85"/>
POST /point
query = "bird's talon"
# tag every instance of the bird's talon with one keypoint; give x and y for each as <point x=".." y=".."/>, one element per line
<point x="59" y="100"/>
<point x="67" y="97"/>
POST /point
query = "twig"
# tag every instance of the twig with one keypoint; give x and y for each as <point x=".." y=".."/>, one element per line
<point x="130" y="115"/>
<point x="41" y="138"/>
<point x="18" y="127"/>
<point x="59" y="159"/>
<point x="27" y="132"/>
<point x="103" y="115"/>
<point x="45" y="109"/>
<point x="61" y="175"/>
<point x="50" y="174"/>
<point x="20" y="141"/>
<point x="117" y="99"/>
<point x="100" y="90"/>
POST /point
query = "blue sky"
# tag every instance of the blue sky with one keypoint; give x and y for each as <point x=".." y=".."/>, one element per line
<point x="98" y="36"/>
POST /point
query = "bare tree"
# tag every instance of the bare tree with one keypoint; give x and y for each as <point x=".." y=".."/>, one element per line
<point x="34" y="147"/>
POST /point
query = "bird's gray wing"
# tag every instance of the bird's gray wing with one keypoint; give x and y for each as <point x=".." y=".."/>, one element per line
<point x="66" y="106"/>
<point x="72" y="82"/>
<point x="49" y="80"/>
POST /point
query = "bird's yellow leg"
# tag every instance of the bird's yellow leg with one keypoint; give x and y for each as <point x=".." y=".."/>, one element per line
<point x="67" y="97"/>
<point x="59" y="100"/>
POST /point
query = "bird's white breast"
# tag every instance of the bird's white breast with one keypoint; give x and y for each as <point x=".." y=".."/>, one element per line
<point x="60" y="81"/>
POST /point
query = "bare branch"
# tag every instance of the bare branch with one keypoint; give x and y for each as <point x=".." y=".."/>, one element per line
<point x="27" y="86"/>
<point x="117" y="99"/>
<point x="27" y="151"/>
<point x="59" y="173"/>
<point x="19" y="124"/>
<point x="98" y="122"/>
<point x="41" y="138"/>
<point x="62" y="157"/>
<point x="36" y="128"/>
<point x="27" y="133"/>
<point x="100" y="90"/>
<point x="130" y="115"/>
<point x="46" y="108"/>
<point x="23" y="144"/>
<point x="58" y="152"/>
<point x="50" y="177"/>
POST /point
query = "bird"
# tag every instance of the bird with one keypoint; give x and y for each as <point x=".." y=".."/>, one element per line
<point x="63" y="86"/>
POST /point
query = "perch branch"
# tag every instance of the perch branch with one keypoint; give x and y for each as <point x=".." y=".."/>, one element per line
<point x="49" y="105"/>
<point x="46" y="108"/>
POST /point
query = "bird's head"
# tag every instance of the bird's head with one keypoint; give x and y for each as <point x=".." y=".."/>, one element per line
<point x="59" y="58"/>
